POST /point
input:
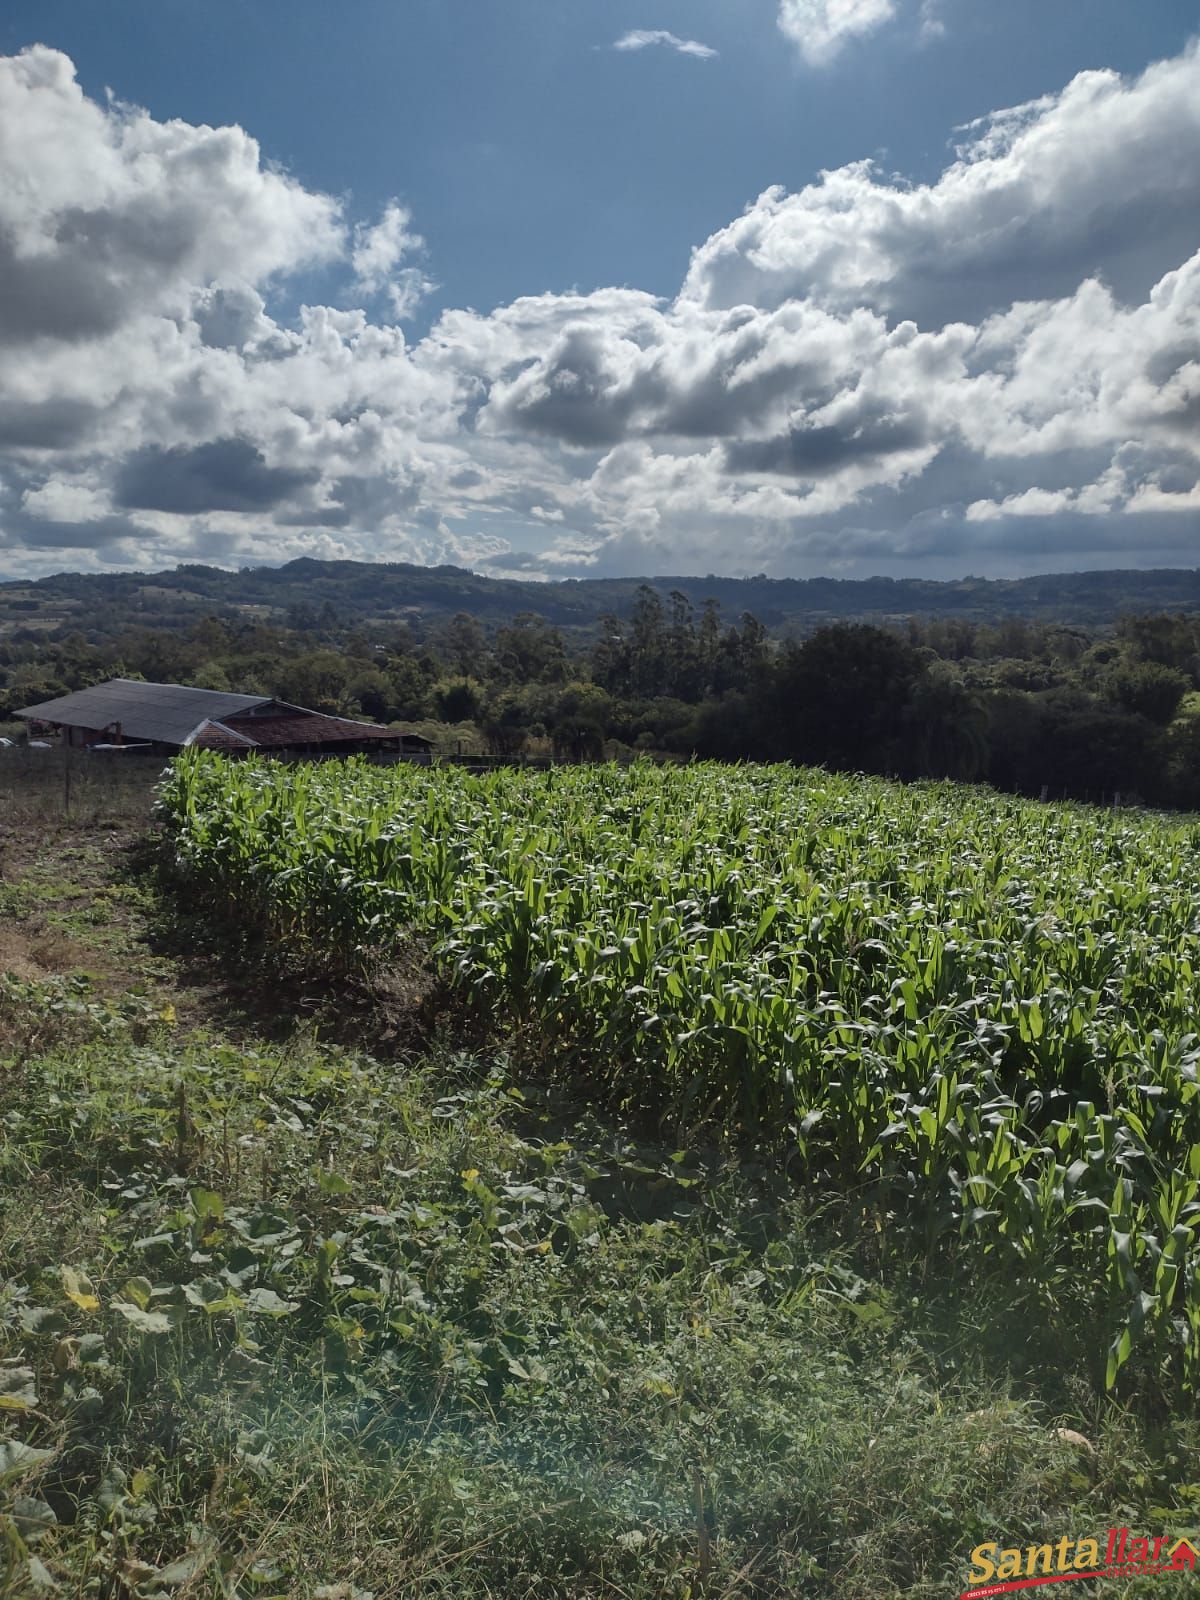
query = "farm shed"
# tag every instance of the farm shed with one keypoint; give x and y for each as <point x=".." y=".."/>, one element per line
<point x="171" y="716"/>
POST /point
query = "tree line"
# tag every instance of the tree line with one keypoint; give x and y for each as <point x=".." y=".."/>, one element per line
<point x="1026" y="706"/>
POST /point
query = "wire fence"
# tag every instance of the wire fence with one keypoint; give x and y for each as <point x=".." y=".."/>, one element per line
<point x="76" y="786"/>
<point x="64" y="784"/>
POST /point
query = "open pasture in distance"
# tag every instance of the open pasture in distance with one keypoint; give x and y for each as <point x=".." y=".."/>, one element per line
<point x="968" y="1018"/>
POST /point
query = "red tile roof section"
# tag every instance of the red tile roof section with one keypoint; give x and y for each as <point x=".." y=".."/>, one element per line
<point x="271" y="732"/>
<point x="211" y="735"/>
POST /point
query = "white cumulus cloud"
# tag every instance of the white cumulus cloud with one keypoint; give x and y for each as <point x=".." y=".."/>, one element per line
<point x="377" y="254"/>
<point x="106" y="213"/>
<point x="1103" y="178"/>
<point x="992" y="371"/>
<point x="821" y="28"/>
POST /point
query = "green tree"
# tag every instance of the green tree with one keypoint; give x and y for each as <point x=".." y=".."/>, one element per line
<point x="317" y="680"/>
<point x="610" y="658"/>
<point x="462" y="645"/>
<point x="410" y="684"/>
<point x="530" y="650"/>
<point x="504" y="723"/>
<point x="841" y="697"/>
<point x="212" y="675"/>
<point x="683" y="677"/>
<point x="647" y="644"/>
<point x="947" y="724"/>
<point x="460" y="700"/>
<point x="370" y="689"/>
<point x="581" y="718"/>
<point x="1147" y="688"/>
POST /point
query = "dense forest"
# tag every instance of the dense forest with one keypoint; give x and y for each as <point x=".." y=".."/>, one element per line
<point x="1028" y="706"/>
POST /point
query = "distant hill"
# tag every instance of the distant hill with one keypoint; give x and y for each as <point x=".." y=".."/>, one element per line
<point x="366" y="592"/>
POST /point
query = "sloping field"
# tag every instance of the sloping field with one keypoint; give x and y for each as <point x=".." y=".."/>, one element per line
<point x="282" y="1318"/>
<point x="974" y="1014"/>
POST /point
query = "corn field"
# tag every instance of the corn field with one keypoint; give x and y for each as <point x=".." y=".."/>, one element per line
<point x="975" y="1014"/>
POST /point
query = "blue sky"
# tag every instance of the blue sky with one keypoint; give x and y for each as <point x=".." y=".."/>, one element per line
<point x="535" y="160"/>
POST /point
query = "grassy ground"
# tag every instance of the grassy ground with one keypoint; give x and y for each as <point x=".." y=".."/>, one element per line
<point x="280" y="1318"/>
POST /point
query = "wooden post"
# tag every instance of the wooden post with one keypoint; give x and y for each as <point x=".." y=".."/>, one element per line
<point x="703" y="1532"/>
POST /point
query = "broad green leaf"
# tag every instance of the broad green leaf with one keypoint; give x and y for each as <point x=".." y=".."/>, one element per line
<point x="17" y="1458"/>
<point x="268" y="1303"/>
<point x="77" y="1287"/>
<point x="153" y="1322"/>
<point x="208" y="1205"/>
<point x="32" y="1516"/>
<point x="18" y="1390"/>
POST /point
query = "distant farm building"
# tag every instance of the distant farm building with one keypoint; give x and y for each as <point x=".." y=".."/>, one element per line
<point x="165" y="717"/>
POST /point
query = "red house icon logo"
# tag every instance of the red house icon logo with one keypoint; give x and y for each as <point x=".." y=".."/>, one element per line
<point x="1185" y="1557"/>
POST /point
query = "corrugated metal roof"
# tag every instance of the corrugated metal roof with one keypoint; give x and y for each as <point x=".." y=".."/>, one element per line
<point x="160" y="711"/>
